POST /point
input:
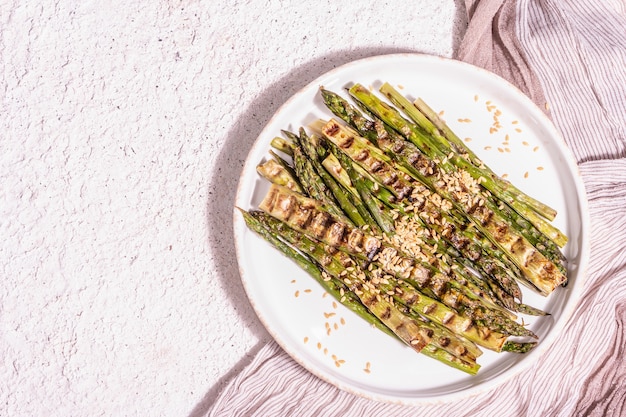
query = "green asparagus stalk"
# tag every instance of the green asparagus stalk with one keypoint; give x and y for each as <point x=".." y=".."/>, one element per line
<point x="456" y="292"/>
<point x="479" y="253"/>
<point x="458" y="188"/>
<point x="462" y="149"/>
<point x="280" y="144"/>
<point x="277" y="173"/>
<point x="310" y="217"/>
<point x="357" y="214"/>
<point x="414" y="163"/>
<point x="337" y="269"/>
<point x="474" y="257"/>
<point x="333" y="286"/>
<point x="503" y="189"/>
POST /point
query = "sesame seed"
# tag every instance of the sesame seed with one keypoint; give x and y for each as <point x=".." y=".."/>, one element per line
<point x="297" y="293"/>
<point x="487" y="148"/>
<point x="306" y="339"/>
<point x="441" y="113"/>
<point x="518" y="129"/>
<point x="325" y="351"/>
<point x="342" y="321"/>
<point x="526" y="174"/>
<point x="536" y="148"/>
<point x="319" y="345"/>
<point x="307" y="290"/>
<point x="539" y="168"/>
<point x="525" y="143"/>
<point x="293" y="281"/>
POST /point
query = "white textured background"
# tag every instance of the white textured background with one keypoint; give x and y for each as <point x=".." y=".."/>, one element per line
<point x="124" y="126"/>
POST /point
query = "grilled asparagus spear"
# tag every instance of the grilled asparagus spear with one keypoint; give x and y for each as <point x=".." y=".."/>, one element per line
<point x="462" y="190"/>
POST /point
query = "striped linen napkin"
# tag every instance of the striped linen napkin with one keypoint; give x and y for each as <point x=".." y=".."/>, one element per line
<point x="569" y="56"/>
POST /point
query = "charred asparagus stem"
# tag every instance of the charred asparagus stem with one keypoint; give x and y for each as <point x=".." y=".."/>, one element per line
<point x="333" y="286"/>
<point x="342" y="268"/>
<point x="478" y="253"/>
<point x="458" y="187"/>
<point x="462" y="149"/>
<point x="433" y="144"/>
<point x="466" y="159"/>
<point x="308" y="217"/>
<point x="278" y="173"/>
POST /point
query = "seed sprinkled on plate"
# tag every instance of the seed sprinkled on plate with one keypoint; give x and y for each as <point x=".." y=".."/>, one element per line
<point x="367" y="368"/>
<point x="306" y="339"/>
<point x="297" y="293"/>
<point x="540" y="168"/>
<point x="536" y="148"/>
<point x="526" y="174"/>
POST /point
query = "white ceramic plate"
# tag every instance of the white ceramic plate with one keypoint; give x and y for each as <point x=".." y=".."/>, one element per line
<point x="338" y="346"/>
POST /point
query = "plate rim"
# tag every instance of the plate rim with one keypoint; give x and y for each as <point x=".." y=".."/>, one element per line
<point x="562" y="320"/>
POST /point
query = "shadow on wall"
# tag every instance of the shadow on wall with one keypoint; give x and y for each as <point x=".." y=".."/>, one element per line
<point x="229" y="164"/>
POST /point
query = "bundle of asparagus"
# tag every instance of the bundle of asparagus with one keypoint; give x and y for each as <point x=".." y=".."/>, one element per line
<point x="403" y="224"/>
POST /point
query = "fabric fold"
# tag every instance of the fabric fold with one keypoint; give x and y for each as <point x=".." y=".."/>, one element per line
<point x="490" y="43"/>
